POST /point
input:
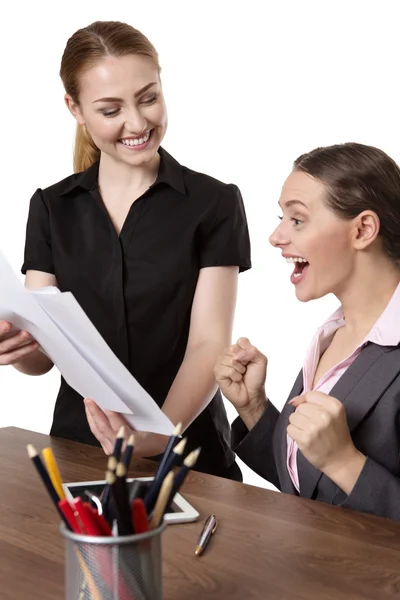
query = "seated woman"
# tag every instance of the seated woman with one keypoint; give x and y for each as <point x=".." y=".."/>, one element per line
<point x="337" y="439"/>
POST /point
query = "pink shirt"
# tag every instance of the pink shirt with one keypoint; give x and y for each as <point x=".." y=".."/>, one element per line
<point x="385" y="332"/>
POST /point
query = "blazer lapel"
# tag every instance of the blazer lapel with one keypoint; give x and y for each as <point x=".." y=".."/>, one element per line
<point x="359" y="389"/>
<point x="280" y="443"/>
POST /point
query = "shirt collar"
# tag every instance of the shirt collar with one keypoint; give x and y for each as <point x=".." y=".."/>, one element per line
<point x="169" y="172"/>
<point x="386" y="329"/>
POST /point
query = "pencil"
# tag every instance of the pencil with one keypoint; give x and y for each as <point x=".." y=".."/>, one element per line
<point x="176" y="433"/>
<point x="123" y="496"/>
<point x="88" y="577"/>
<point x="111" y="466"/>
<point x="119" y="493"/>
<point x="43" y="474"/>
<point x="181" y="475"/>
<point x="118" y="443"/>
<point x="128" y="452"/>
<point x="162" y="500"/>
<point x="53" y="471"/>
<point x="105" y="494"/>
<point x="152" y="493"/>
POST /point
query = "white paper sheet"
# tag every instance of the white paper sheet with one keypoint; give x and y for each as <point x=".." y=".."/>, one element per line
<point x="81" y="355"/>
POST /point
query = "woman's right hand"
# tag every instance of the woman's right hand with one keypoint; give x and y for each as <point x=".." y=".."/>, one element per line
<point x="14" y="347"/>
<point x="240" y="373"/>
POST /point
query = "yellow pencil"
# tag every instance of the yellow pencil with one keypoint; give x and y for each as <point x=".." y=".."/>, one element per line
<point x="162" y="500"/>
<point x="88" y="577"/>
<point x="53" y="471"/>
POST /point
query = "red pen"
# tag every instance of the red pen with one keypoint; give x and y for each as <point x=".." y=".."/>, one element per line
<point x="89" y="522"/>
<point x="102" y="524"/>
<point x="139" y="516"/>
<point x="68" y="513"/>
<point x="100" y="556"/>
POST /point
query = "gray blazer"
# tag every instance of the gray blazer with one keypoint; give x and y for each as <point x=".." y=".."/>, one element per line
<point x="370" y="392"/>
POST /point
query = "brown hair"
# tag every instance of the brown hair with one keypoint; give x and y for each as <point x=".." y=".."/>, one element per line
<point x="357" y="178"/>
<point x="85" y="48"/>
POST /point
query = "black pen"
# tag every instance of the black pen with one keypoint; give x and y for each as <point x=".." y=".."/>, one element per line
<point x="209" y="528"/>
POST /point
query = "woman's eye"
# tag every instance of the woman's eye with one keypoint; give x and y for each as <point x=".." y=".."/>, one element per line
<point x="149" y="99"/>
<point x="110" y="113"/>
<point x="296" y="221"/>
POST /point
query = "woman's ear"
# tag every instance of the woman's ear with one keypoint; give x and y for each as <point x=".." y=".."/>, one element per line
<point x="74" y="109"/>
<point x="366" y="229"/>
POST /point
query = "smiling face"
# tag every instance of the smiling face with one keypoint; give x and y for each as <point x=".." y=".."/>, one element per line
<point x="322" y="245"/>
<point x="122" y="106"/>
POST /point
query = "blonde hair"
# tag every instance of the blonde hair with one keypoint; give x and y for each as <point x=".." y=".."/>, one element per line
<point x="83" y="50"/>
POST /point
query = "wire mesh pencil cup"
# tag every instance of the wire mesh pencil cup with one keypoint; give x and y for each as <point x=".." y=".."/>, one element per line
<point x="125" y="567"/>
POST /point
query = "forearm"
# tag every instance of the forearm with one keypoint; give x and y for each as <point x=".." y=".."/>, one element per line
<point x="36" y="363"/>
<point x="255" y="447"/>
<point x="252" y="413"/>
<point x="346" y="472"/>
<point x="193" y="388"/>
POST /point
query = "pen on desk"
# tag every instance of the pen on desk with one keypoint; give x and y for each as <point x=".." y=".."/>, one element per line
<point x="154" y="489"/>
<point x="209" y="529"/>
<point x="43" y="474"/>
<point x="53" y="471"/>
<point x="167" y="452"/>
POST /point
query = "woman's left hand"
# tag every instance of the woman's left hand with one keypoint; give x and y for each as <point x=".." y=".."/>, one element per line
<point x="319" y="427"/>
<point x="105" y="425"/>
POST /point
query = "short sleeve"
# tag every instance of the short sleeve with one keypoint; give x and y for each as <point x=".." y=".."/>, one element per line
<point x="226" y="241"/>
<point x="38" y="253"/>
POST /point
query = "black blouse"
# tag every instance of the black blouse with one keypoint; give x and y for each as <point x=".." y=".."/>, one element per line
<point x="138" y="287"/>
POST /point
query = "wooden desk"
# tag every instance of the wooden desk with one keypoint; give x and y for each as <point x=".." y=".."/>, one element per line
<point x="268" y="546"/>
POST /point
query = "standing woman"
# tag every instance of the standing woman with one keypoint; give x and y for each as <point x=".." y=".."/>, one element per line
<point x="149" y="248"/>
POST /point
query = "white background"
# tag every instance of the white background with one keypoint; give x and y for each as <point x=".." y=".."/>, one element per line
<point x="249" y="86"/>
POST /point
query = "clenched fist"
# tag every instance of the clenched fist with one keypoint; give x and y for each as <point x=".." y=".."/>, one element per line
<point x="240" y="373"/>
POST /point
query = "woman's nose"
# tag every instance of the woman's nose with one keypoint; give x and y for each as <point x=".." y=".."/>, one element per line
<point x="279" y="236"/>
<point x="135" y="122"/>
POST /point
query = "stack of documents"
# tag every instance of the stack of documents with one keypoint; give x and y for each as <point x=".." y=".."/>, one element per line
<point x="71" y="341"/>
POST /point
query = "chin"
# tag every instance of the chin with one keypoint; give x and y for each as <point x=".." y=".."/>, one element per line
<point x="306" y="295"/>
<point x="139" y="158"/>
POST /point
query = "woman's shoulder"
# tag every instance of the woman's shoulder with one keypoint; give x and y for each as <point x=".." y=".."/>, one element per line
<point x="85" y="179"/>
<point x="203" y="181"/>
<point x="195" y="181"/>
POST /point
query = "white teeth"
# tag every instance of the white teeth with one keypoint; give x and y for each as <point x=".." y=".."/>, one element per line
<point x="136" y="142"/>
<point x="292" y="259"/>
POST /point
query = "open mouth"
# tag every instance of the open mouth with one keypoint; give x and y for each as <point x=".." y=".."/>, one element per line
<point x="300" y="268"/>
<point x="137" y="143"/>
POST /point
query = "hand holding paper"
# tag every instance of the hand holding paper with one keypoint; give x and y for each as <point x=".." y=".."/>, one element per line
<point x="57" y="322"/>
<point x="14" y="344"/>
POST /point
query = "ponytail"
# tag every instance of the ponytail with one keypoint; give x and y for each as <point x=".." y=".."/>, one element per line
<point x="85" y="152"/>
